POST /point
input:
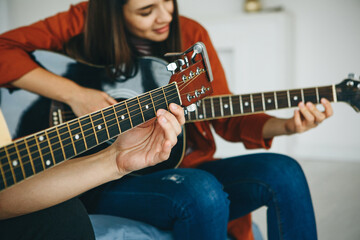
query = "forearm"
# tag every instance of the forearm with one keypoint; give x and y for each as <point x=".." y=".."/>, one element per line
<point x="58" y="184"/>
<point x="47" y="84"/>
<point x="275" y="127"/>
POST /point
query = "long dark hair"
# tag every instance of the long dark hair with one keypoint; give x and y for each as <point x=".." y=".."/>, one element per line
<point x="105" y="40"/>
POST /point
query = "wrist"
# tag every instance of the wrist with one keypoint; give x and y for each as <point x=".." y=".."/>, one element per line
<point x="71" y="94"/>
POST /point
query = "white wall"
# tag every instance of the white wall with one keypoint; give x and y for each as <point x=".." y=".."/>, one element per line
<point x="326" y="37"/>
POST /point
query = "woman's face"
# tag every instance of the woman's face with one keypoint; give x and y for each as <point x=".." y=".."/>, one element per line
<point x="149" y="19"/>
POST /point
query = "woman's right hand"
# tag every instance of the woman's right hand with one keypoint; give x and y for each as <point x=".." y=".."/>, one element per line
<point x="150" y="143"/>
<point x="87" y="100"/>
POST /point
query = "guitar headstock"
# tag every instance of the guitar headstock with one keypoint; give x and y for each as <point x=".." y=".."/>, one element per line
<point x="192" y="73"/>
<point x="349" y="91"/>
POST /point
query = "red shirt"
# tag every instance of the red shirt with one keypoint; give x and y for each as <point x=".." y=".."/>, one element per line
<point x="53" y="32"/>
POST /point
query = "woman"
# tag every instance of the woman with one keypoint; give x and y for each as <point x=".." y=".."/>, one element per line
<point x="198" y="200"/>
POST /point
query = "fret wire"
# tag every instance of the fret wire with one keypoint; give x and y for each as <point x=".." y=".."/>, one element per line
<point x="241" y="104"/>
<point x="167" y="104"/>
<point x="37" y="146"/>
<point x="263" y="101"/>
<point x="51" y="150"/>
<point x="71" y="137"/>
<point x="117" y="118"/>
<point x="82" y="132"/>
<point x="30" y="157"/>
<point x="3" y="174"/>
<point x="20" y="161"/>
<point x="93" y="128"/>
<point x="334" y="93"/>
<point x="276" y="101"/>
<point x="204" y="108"/>
<point x="142" y="113"/>
<point x="127" y="109"/>
<point x="231" y="106"/>
<point x="196" y="113"/>
<point x="10" y="165"/>
<point x="212" y="107"/>
<point x="317" y="94"/>
<point x="106" y="126"/>
<point x="288" y="98"/>
<point x="302" y="95"/>
<point x="152" y="100"/>
<point x="221" y="106"/>
<point x="252" y="103"/>
<point x="61" y="144"/>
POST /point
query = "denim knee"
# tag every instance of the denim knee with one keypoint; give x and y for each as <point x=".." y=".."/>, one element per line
<point x="203" y="196"/>
<point x="284" y="173"/>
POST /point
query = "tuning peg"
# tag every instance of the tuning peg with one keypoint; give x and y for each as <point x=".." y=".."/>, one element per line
<point x="351" y="75"/>
<point x="191" y="107"/>
<point x="175" y="66"/>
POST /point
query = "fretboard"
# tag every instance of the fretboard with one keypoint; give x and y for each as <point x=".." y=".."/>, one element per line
<point x="237" y="105"/>
<point x="35" y="153"/>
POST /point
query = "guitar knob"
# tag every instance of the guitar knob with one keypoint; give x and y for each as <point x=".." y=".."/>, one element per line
<point x="175" y="66"/>
<point x="171" y="67"/>
<point x="351" y="75"/>
<point x="191" y="107"/>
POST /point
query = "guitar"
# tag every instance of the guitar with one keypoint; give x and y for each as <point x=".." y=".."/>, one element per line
<point x="27" y="156"/>
<point x="225" y="106"/>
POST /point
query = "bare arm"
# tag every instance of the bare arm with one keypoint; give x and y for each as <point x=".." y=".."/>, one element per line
<point x="143" y="146"/>
<point x="82" y="100"/>
<point x="305" y="118"/>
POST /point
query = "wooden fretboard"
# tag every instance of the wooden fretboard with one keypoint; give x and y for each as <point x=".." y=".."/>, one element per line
<point x="35" y="153"/>
<point x="237" y="105"/>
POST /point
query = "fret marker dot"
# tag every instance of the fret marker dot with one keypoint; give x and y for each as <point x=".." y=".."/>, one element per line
<point x="122" y="117"/>
<point x="41" y="138"/>
<point x="246" y="104"/>
<point x="226" y="106"/>
<point x="147" y="106"/>
<point x="201" y="116"/>
<point x="99" y="127"/>
<point x="15" y="163"/>
<point x="269" y="100"/>
<point x="295" y="98"/>
<point x="48" y="162"/>
<point x="77" y="136"/>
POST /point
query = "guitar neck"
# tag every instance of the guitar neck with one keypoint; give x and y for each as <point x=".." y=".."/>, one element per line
<point x="35" y="153"/>
<point x="237" y="105"/>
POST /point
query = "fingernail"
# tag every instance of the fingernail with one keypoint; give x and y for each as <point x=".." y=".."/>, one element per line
<point x="164" y="120"/>
<point x="173" y="106"/>
<point x="160" y="112"/>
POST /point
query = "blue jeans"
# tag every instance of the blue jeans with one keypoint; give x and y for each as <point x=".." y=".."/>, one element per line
<point x="198" y="203"/>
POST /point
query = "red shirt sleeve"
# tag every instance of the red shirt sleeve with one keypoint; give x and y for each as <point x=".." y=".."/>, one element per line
<point x="49" y="34"/>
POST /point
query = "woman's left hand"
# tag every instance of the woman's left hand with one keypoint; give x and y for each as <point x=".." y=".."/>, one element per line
<point x="308" y="116"/>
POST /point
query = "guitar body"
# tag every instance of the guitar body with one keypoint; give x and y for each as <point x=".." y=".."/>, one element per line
<point x="42" y="148"/>
<point x="150" y="74"/>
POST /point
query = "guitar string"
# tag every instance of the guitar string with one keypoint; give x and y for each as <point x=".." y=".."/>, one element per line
<point x="7" y="178"/>
<point x="99" y="134"/>
<point x="134" y="100"/>
<point x="130" y="100"/>
<point x="255" y="97"/>
<point x="180" y="85"/>
<point x="90" y="123"/>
